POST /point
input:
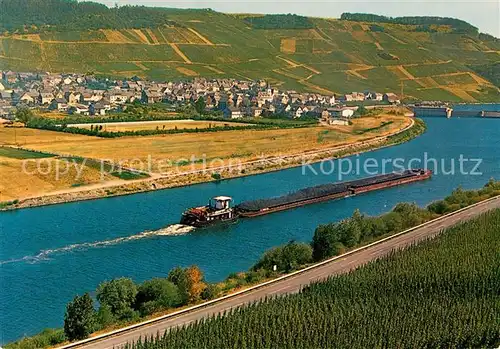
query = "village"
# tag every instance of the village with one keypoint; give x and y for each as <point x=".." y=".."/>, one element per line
<point x="87" y="95"/>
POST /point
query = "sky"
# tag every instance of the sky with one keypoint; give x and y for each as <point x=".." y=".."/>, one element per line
<point x="484" y="14"/>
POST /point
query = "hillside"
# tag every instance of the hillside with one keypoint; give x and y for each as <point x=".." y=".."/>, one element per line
<point x="431" y="61"/>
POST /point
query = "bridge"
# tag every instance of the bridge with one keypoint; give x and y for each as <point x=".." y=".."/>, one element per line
<point x="443" y="111"/>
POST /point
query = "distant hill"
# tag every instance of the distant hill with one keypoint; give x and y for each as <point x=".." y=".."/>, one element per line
<point x="431" y="58"/>
<point x="426" y="23"/>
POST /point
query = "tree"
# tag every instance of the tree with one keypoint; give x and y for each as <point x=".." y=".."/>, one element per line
<point x="189" y="281"/>
<point x="104" y="316"/>
<point x="119" y="295"/>
<point x="362" y="111"/>
<point x="79" y="319"/>
<point x="157" y="294"/>
<point x="280" y="21"/>
<point x="176" y="275"/>
<point x="195" y="282"/>
<point x="24" y="115"/>
<point x="349" y="231"/>
<point x="285" y="258"/>
<point x="200" y="105"/>
<point x="326" y="242"/>
<point x="394" y="222"/>
<point x="212" y="291"/>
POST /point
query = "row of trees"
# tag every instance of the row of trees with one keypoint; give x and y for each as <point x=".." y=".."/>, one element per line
<point x="97" y="130"/>
<point x="69" y="15"/>
<point x="122" y="300"/>
<point x="335" y="238"/>
<point x="288" y="21"/>
<point x="423" y="22"/>
<point x="442" y="293"/>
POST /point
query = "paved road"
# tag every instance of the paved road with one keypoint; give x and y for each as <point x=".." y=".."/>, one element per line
<point x="294" y="284"/>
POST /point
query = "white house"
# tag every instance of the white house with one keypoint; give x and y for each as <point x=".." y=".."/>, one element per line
<point x="28" y="98"/>
<point x="341" y="112"/>
<point x="81" y="109"/>
<point x="235" y="113"/>
<point x="391" y="98"/>
<point x="331" y="101"/>
<point x="46" y="98"/>
<point x="299" y="112"/>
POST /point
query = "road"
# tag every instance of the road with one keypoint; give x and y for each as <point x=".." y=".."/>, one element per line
<point x="295" y="283"/>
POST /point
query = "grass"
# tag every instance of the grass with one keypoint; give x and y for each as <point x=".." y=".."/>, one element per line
<point x="106" y="167"/>
<point x="239" y="51"/>
<point x="22" y="154"/>
<point x="43" y="176"/>
<point x="128" y="175"/>
<point x="435" y="69"/>
<point x="376" y="128"/>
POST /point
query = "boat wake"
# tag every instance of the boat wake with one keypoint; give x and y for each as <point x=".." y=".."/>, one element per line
<point x="171" y="230"/>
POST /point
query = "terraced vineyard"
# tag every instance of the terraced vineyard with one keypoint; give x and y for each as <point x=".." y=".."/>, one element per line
<point x="332" y="56"/>
<point x="442" y="293"/>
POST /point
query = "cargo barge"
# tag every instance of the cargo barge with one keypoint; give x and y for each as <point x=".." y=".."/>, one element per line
<point x="219" y="209"/>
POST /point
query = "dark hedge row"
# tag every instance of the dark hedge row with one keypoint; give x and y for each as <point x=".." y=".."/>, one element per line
<point x="423" y="22"/>
<point x="55" y="125"/>
<point x="71" y="15"/>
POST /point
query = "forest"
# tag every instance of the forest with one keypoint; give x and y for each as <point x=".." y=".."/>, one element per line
<point x="423" y="23"/>
<point x="288" y="21"/>
<point x="65" y="15"/>
<point x="442" y="293"/>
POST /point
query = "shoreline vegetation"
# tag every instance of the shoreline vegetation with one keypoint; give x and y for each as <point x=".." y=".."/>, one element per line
<point x="123" y="302"/>
<point x="412" y="291"/>
<point x="264" y="165"/>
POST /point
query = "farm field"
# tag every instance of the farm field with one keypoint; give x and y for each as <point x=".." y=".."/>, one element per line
<point x="31" y="173"/>
<point x="335" y="56"/>
<point x="453" y="276"/>
<point x="162" y="125"/>
<point x="37" y="178"/>
<point x="22" y="154"/>
<point x="167" y="151"/>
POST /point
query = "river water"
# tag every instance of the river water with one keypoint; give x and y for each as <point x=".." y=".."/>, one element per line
<point x="50" y="254"/>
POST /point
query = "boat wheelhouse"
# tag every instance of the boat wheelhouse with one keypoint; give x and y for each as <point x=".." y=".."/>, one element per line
<point x="218" y="210"/>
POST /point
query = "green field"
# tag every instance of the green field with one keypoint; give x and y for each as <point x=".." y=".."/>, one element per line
<point x="230" y="47"/>
<point x="442" y="293"/>
<point x="22" y="154"/>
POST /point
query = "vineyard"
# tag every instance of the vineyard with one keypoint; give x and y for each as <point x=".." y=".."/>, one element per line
<point x="441" y="293"/>
<point x="293" y="52"/>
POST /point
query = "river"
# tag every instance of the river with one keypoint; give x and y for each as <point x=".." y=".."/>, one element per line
<point x="50" y="254"/>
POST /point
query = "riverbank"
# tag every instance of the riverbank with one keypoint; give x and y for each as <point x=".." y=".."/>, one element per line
<point x="185" y="178"/>
<point x="317" y="254"/>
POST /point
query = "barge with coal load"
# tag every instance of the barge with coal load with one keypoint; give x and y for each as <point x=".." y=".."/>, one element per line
<point x="219" y="209"/>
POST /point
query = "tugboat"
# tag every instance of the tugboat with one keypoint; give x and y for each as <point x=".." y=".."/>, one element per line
<point x="218" y="210"/>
